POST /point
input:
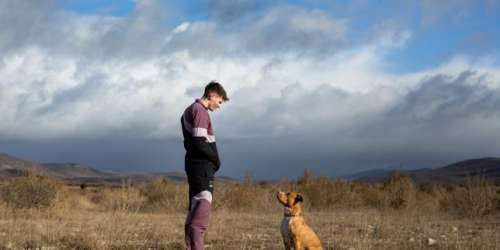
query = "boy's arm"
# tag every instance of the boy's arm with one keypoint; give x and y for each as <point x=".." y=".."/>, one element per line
<point x="200" y="133"/>
<point x="202" y="146"/>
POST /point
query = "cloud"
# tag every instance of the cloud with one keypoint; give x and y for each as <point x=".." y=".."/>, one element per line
<point x="231" y="10"/>
<point x="282" y="29"/>
<point x="22" y="22"/>
<point x="442" y="119"/>
<point x="67" y="95"/>
<point x="445" y="97"/>
<point x="288" y="28"/>
<point x="456" y="11"/>
<point x="301" y="93"/>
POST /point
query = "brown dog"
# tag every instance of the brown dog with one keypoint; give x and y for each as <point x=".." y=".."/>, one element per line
<point x="294" y="230"/>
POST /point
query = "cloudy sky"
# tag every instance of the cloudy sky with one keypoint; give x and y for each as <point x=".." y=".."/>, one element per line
<point x="333" y="86"/>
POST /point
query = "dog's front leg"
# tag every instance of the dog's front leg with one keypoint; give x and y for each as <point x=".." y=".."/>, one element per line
<point x="296" y="244"/>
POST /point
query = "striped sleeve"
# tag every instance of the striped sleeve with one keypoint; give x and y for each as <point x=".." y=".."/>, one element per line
<point x="201" y="121"/>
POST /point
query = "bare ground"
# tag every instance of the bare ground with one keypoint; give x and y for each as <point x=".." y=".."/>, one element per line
<point x="343" y="229"/>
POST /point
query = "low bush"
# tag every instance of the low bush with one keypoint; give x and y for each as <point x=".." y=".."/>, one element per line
<point x="31" y="190"/>
<point x="476" y="198"/>
<point x="399" y="192"/>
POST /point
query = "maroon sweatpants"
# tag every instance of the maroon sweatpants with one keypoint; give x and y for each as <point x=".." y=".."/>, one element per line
<point x="197" y="221"/>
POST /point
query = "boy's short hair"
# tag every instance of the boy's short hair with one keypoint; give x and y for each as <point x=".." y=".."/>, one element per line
<point x="217" y="88"/>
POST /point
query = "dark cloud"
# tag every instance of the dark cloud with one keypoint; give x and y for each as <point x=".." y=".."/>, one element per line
<point x="23" y="22"/>
<point x="282" y="29"/>
<point x="139" y="35"/>
<point x="47" y="26"/>
<point x="443" y="119"/>
<point x="110" y="153"/>
<point x="68" y="97"/>
<point x="296" y="30"/>
<point x="231" y="10"/>
<point x="144" y="33"/>
<point x="109" y="91"/>
<point x="445" y="98"/>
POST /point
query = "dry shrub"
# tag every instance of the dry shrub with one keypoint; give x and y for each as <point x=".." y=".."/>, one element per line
<point x="372" y="196"/>
<point x="32" y="190"/>
<point x="399" y="191"/>
<point x="429" y="196"/>
<point x="77" y="200"/>
<point x="324" y="193"/>
<point x="476" y="198"/>
<point x="498" y="198"/>
<point x="246" y="196"/>
<point x="79" y="242"/>
<point x="31" y="244"/>
<point x="163" y="195"/>
<point x="240" y="196"/>
<point x="5" y="211"/>
<point x="307" y="177"/>
<point x="126" y="198"/>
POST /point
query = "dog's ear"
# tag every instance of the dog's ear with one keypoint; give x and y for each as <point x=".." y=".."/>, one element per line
<point x="298" y="198"/>
<point x="279" y="195"/>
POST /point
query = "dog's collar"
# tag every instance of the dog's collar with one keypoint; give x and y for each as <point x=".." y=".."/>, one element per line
<point x="288" y="212"/>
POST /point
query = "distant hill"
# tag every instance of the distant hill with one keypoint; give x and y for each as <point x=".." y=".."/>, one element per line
<point x="485" y="168"/>
<point x="74" y="173"/>
<point x="370" y="173"/>
<point x="73" y="170"/>
<point x="12" y="166"/>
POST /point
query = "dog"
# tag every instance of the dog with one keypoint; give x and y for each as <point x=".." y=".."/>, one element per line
<point x="296" y="234"/>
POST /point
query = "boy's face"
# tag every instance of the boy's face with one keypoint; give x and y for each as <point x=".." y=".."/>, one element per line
<point x="214" y="101"/>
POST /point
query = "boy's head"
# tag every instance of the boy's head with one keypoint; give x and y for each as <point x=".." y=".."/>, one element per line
<point x="215" y="95"/>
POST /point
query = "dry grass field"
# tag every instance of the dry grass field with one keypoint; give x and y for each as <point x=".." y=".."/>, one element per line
<point x="37" y="212"/>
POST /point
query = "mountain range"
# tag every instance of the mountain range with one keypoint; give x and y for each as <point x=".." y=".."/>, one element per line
<point x="73" y="173"/>
<point x="459" y="172"/>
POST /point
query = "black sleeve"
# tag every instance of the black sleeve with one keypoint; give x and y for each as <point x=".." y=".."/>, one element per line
<point x="217" y="166"/>
<point x="203" y="147"/>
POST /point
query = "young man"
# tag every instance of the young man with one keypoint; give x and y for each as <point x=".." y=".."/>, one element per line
<point x="201" y="161"/>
